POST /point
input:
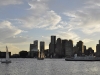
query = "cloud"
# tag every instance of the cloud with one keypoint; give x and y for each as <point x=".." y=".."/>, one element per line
<point x="38" y="7"/>
<point x="12" y="48"/>
<point x="10" y="2"/>
<point x="86" y="19"/>
<point x="93" y="2"/>
<point x="54" y="27"/>
<point x="15" y="39"/>
<point x="68" y="35"/>
<point x="92" y="30"/>
<point x="8" y="31"/>
<point x="49" y="19"/>
<point x="40" y="16"/>
<point x="87" y="40"/>
<point x="45" y="38"/>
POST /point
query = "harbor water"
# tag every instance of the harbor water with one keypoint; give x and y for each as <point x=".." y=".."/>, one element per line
<point x="32" y="66"/>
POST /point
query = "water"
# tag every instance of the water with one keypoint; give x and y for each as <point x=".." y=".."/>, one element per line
<point x="50" y="67"/>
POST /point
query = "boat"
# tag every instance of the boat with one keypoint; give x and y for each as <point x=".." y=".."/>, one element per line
<point x="83" y="58"/>
<point x="7" y="60"/>
<point x="40" y="56"/>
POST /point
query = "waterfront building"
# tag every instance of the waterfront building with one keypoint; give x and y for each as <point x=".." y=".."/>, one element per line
<point x="42" y="48"/>
<point x="69" y="48"/>
<point x="75" y="50"/>
<point x="98" y="49"/>
<point x="85" y="51"/>
<point x="34" y="49"/>
<point x="90" y="51"/>
<point x="53" y="39"/>
<point x="23" y="54"/>
<point x="81" y="48"/>
<point x="46" y="53"/>
<point x="58" y="50"/>
<point x="3" y="54"/>
<point x="36" y="44"/>
<point x="63" y="47"/>
<point x="15" y="56"/>
<point x="52" y="46"/>
<point x="99" y="41"/>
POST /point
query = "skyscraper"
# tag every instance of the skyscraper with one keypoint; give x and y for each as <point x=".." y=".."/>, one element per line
<point x="63" y="47"/>
<point x="98" y="49"/>
<point x="90" y="51"/>
<point x="69" y="48"/>
<point x="52" y="46"/>
<point x="58" y="50"/>
<point x="85" y="51"/>
<point x="42" y="48"/>
<point x="75" y="50"/>
<point x="81" y="48"/>
<point x="34" y="49"/>
<point x="53" y="39"/>
<point x="36" y="43"/>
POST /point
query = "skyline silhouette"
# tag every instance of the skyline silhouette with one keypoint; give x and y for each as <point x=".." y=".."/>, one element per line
<point x="23" y="21"/>
<point x="58" y="48"/>
<point x="44" y="36"/>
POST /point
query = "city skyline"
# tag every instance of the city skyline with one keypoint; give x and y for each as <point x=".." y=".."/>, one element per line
<point x="22" y="21"/>
<point x="59" y="45"/>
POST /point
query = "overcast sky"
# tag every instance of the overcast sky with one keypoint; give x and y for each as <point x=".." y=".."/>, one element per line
<point x="23" y="21"/>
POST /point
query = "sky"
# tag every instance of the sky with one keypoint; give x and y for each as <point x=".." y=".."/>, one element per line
<point x="23" y="21"/>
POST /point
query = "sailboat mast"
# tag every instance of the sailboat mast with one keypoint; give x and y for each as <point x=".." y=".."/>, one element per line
<point x="7" y="56"/>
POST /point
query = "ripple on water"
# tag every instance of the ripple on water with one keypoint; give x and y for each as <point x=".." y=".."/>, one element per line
<point x="49" y="67"/>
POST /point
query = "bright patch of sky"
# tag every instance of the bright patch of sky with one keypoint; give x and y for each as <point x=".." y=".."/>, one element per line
<point x="23" y="21"/>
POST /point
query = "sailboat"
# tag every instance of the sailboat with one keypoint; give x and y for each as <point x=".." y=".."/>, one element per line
<point x="7" y="60"/>
<point x="40" y="58"/>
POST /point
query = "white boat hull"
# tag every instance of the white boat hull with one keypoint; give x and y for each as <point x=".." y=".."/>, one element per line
<point x="81" y="59"/>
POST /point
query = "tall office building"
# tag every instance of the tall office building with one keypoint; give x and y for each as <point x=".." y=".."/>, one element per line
<point x="36" y="43"/>
<point x="34" y="49"/>
<point x="69" y="49"/>
<point x="81" y="48"/>
<point x="58" y="50"/>
<point x="42" y="48"/>
<point x="75" y="50"/>
<point x="98" y="49"/>
<point x="31" y="47"/>
<point x="31" y="53"/>
<point x="90" y="51"/>
<point x="53" y="39"/>
<point x="63" y="47"/>
<point x="34" y="46"/>
<point x="85" y="51"/>
<point x="52" y="46"/>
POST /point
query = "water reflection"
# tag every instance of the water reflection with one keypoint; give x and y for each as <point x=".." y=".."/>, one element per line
<point x="49" y="67"/>
<point x="6" y="69"/>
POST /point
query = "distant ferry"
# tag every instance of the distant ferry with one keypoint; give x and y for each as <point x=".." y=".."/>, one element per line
<point x="85" y="58"/>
